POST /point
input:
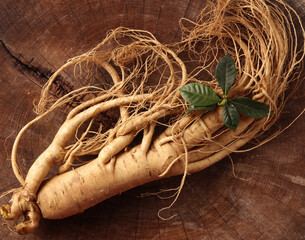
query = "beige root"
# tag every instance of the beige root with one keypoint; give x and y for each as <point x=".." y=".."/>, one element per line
<point x="146" y="76"/>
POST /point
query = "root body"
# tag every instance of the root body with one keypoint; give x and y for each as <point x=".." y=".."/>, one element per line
<point x="59" y="197"/>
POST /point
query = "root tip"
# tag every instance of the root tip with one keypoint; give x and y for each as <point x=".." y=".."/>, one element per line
<point x="22" y="205"/>
<point x="4" y="210"/>
<point x="24" y="228"/>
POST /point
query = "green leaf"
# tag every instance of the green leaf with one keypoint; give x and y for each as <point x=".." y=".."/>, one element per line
<point x="230" y="116"/>
<point x="199" y="94"/>
<point x="207" y="108"/>
<point x="226" y="73"/>
<point x="250" y="107"/>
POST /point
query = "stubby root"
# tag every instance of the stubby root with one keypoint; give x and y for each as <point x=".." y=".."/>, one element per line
<point x="22" y="205"/>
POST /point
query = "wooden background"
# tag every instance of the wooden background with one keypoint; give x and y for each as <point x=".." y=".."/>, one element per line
<point x="37" y="37"/>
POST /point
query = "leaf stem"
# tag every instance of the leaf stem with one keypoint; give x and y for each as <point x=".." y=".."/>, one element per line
<point x="223" y="101"/>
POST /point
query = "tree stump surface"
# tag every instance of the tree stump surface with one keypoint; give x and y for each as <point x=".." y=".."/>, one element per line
<point x="37" y="37"/>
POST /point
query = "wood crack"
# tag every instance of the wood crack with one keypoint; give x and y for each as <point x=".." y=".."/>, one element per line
<point x="40" y="75"/>
<point x="27" y="66"/>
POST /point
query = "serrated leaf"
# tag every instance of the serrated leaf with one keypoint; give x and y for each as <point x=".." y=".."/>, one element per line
<point x="207" y="108"/>
<point x="199" y="94"/>
<point x="230" y="116"/>
<point x="251" y="108"/>
<point x="226" y="73"/>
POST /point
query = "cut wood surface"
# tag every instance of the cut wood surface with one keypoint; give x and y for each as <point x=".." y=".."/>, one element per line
<point x="37" y="37"/>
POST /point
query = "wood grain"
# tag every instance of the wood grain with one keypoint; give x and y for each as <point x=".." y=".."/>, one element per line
<point x="37" y="37"/>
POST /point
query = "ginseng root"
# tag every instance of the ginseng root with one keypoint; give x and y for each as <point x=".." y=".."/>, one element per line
<point x="132" y="73"/>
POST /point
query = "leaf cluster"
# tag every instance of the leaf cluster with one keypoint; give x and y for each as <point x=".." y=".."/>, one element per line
<point x="202" y="97"/>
